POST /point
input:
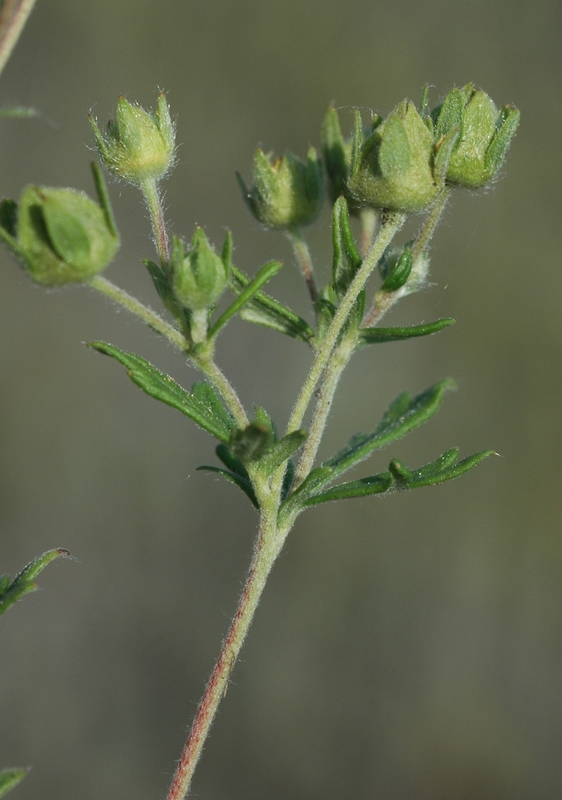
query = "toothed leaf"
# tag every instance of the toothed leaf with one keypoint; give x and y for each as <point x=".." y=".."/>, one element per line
<point x="203" y="405"/>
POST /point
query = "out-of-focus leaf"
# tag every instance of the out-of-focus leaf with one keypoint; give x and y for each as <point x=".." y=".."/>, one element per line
<point x="10" y="778"/>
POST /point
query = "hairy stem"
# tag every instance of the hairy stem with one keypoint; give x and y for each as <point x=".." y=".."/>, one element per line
<point x="154" y="203"/>
<point x="385" y="300"/>
<point x="13" y="17"/>
<point x="150" y="318"/>
<point x="332" y="374"/>
<point x="227" y="391"/>
<point x="137" y="308"/>
<point x="267" y="549"/>
<point x="431" y="221"/>
<point x="388" y="229"/>
<point x="304" y="260"/>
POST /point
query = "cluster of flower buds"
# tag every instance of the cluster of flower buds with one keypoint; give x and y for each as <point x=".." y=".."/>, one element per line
<point x="138" y="145"/>
<point x="199" y="275"/>
<point x="60" y="235"/>
<point x="403" y="162"/>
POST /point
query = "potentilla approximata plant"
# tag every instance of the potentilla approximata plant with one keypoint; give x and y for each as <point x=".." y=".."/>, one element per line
<point x="405" y="164"/>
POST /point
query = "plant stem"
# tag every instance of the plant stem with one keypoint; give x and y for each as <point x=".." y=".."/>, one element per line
<point x="430" y="223"/>
<point x="227" y="391"/>
<point x="304" y="260"/>
<point x="385" y="300"/>
<point x="137" y="308"/>
<point x="390" y="226"/>
<point x="154" y="203"/>
<point x="267" y="549"/>
<point x="338" y="361"/>
<point x="156" y="323"/>
<point x="12" y="22"/>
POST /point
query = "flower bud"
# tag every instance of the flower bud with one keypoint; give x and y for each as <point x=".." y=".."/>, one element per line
<point x="60" y="235"/>
<point x="484" y="135"/>
<point x="138" y="145"/>
<point x="199" y="275"/>
<point x="286" y="192"/>
<point x="394" y="167"/>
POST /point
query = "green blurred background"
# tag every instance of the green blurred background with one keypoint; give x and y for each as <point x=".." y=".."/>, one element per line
<point x="408" y="647"/>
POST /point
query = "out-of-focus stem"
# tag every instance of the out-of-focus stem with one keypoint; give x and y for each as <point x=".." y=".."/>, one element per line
<point x="12" y="22"/>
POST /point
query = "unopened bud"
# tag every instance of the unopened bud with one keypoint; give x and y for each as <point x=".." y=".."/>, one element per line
<point x="286" y="192"/>
<point x="138" y="145"/>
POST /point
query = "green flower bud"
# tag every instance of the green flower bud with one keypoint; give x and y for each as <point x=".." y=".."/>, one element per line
<point x="394" y="167"/>
<point x="138" y="145"/>
<point x="286" y="192"/>
<point x="60" y="235"/>
<point x="199" y="275"/>
<point x="484" y="135"/>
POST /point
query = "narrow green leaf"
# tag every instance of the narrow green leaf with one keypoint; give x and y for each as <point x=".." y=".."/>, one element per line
<point x="375" y="484"/>
<point x="398" y="477"/>
<point x="346" y="260"/>
<point x="18" y="111"/>
<point x="403" y="415"/>
<point x="288" y="478"/>
<point x="207" y="396"/>
<point x="444" y="468"/>
<point x="201" y="406"/>
<point x="231" y="461"/>
<point x="377" y="335"/>
<point x="356" y="144"/>
<point x="282" y="450"/>
<point x="262" y="277"/>
<point x="264" y="310"/>
<point x="239" y="481"/>
<point x="10" y="778"/>
<point x="24" y="582"/>
<point x="400" y="272"/>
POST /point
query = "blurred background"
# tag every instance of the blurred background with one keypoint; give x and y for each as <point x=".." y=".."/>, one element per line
<point x="406" y="647"/>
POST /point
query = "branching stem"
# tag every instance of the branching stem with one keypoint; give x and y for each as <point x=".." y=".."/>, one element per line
<point x="134" y="306"/>
<point x="388" y="230"/>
